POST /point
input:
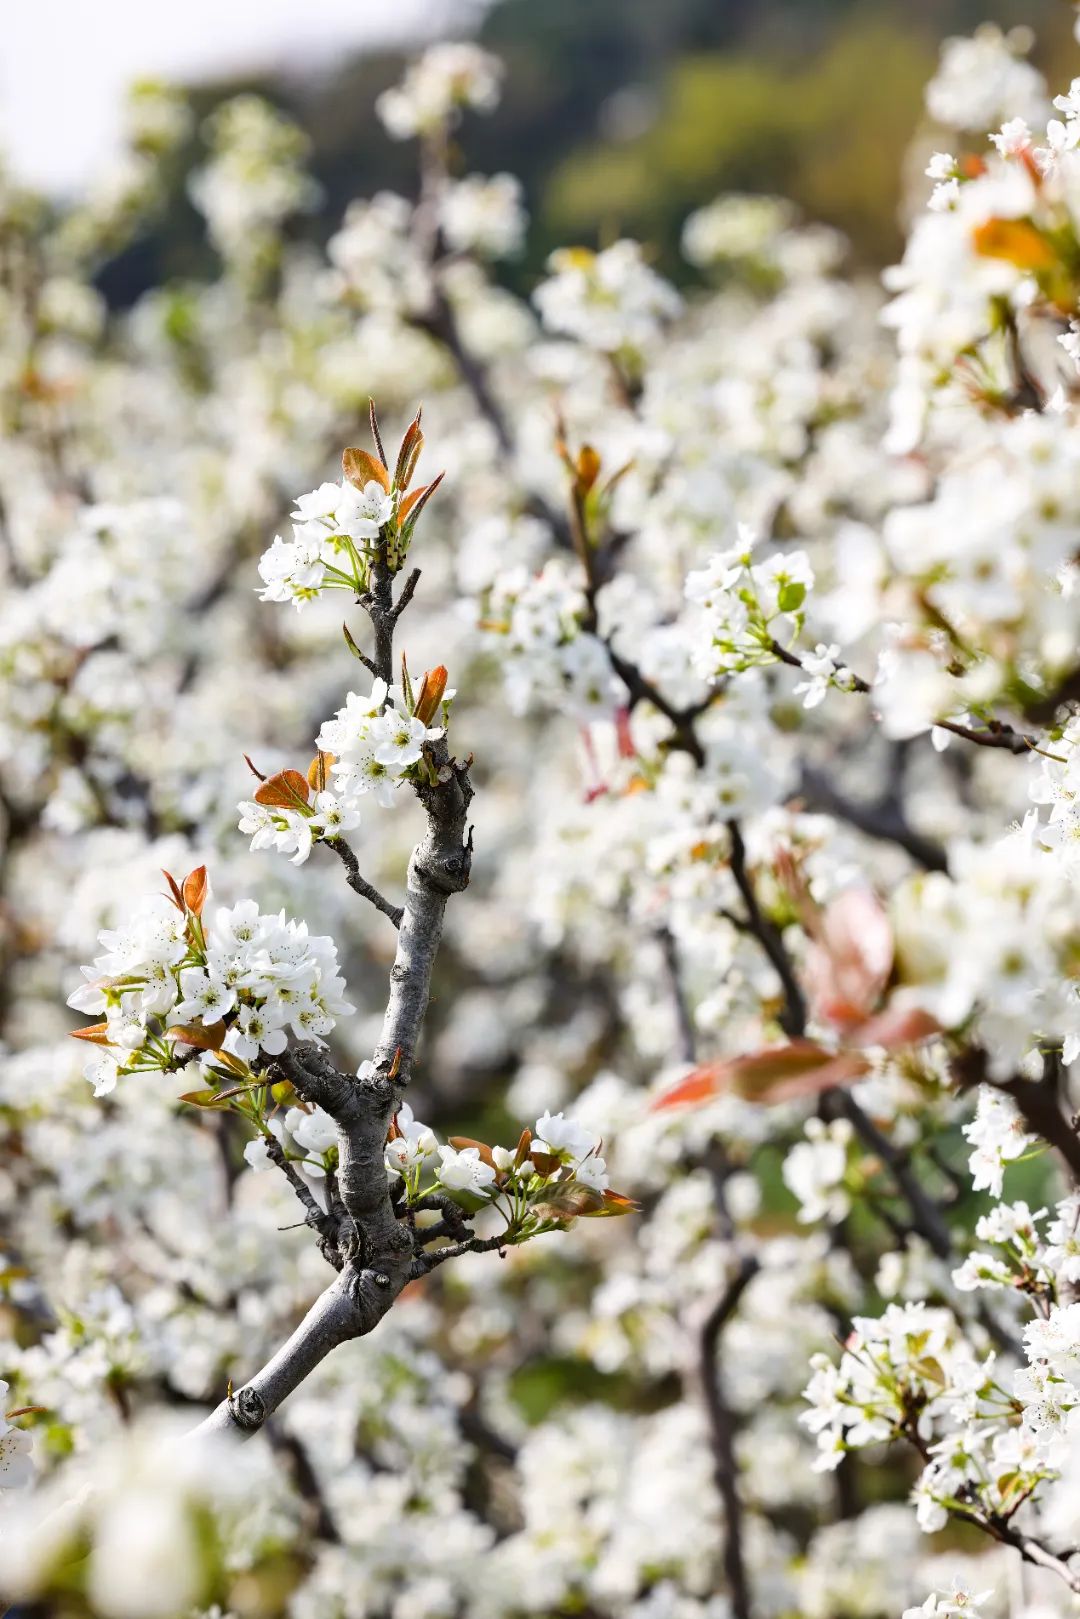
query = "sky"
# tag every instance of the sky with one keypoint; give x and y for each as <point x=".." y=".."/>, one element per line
<point x="64" y="64"/>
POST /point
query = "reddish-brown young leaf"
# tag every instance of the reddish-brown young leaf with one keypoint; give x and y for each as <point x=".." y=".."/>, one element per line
<point x="568" y="1201"/>
<point x="619" y="1203"/>
<point x="376" y="435"/>
<point x="545" y="1163"/>
<point x="96" y="1033"/>
<point x="204" y="1036"/>
<point x="288" y="789"/>
<point x="409" y="454"/>
<point x="430" y="694"/>
<point x="414" y="503"/>
<point x="318" y="771"/>
<point x="587" y="469"/>
<point x="896" y="1026"/>
<point x="195" y="890"/>
<point x="697" y="1086"/>
<point x="850" y="956"/>
<point x="460" y="1143"/>
<point x="361" y="468"/>
<point x="226" y="1060"/>
<point x="774" y="1074"/>
<point x="1017" y="241"/>
<point x="174" y="888"/>
<point x="524" y="1143"/>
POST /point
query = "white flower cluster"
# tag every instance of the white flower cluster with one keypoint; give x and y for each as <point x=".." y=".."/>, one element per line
<point x="145" y="1522"/>
<point x="737" y="228"/>
<point x="377" y="263"/>
<point x="1048" y="1387"/>
<point x="334" y="529"/>
<point x="998" y="1137"/>
<point x="745" y="608"/>
<point x="610" y="301"/>
<point x="373" y="744"/>
<point x="553" y="1175"/>
<point x="557" y="1153"/>
<point x="909" y="1373"/>
<point x="985" y="78"/>
<point x="815" y="1170"/>
<point x="989" y="948"/>
<point x="1025" y="1259"/>
<point x="534" y="625"/>
<point x="254" y="180"/>
<point x="990" y="556"/>
<point x="954" y="1601"/>
<point x="375" y="741"/>
<point x="484" y="214"/>
<point x="437" y="87"/>
<point x="1057" y="784"/>
<point x="240" y="985"/>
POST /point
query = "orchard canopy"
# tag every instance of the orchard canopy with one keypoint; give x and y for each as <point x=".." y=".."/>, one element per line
<point x="573" y="1099"/>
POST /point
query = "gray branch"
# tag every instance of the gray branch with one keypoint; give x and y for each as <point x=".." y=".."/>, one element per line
<point x="440" y="866"/>
<point x="360" y="1233"/>
<point x="349" y="1308"/>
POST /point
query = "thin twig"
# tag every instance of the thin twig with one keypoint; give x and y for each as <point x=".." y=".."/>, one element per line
<point x="360" y="885"/>
<point x="408" y="590"/>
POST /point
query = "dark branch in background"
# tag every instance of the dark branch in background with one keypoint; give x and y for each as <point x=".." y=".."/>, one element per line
<point x="684" y="1018"/>
<point x="722" y="1428"/>
<point x="926" y="1215"/>
<point x="793" y="1017"/>
<point x="683" y="736"/>
<point x="440" y="323"/>
<point x="16" y="572"/>
<point x="1038" y="1106"/>
<point x="881" y="818"/>
<point x="307" y="1483"/>
<point x="1037" y="1101"/>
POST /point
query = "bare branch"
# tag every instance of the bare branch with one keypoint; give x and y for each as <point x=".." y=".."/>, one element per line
<point x="360" y="885"/>
<point x="440" y="866"/>
<point x="340" y="1313"/>
<point x="408" y="590"/>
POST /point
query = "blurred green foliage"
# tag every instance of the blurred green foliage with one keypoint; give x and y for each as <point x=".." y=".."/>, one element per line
<point x="621" y="116"/>
<point x="827" y="133"/>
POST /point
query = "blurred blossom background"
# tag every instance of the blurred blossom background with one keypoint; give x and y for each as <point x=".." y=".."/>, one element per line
<point x="750" y="603"/>
<point x="620" y="116"/>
